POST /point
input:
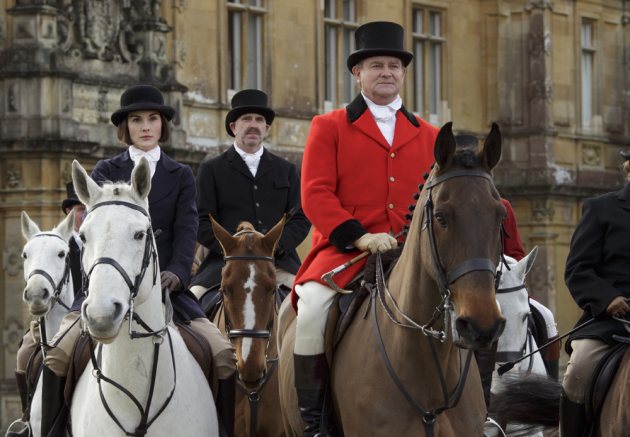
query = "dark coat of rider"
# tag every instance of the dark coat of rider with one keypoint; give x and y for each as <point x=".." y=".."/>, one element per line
<point x="597" y="265"/>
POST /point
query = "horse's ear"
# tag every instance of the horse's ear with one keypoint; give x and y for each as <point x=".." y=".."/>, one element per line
<point x="444" y="145"/>
<point x="227" y="241"/>
<point x="531" y="257"/>
<point x="29" y="227"/>
<point x="66" y="226"/>
<point x="272" y="237"/>
<point x="492" y="147"/>
<point x="86" y="189"/>
<point x="141" y="178"/>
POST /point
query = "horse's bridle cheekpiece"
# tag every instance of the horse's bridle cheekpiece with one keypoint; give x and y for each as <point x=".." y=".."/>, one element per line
<point x="150" y="254"/>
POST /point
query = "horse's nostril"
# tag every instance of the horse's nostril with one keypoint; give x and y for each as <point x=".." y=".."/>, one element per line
<point x="117" y="311"/>
<point x="45" y="293"/>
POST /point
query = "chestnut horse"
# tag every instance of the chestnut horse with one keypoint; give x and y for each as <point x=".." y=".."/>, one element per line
<point x="403" y="369"/>
<point x="248" y="318"/>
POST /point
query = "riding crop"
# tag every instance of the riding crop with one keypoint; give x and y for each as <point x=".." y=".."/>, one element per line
<point x="508" y="366"/>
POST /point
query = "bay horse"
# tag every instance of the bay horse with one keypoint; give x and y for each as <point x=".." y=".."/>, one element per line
<point x="402" y="367"/>
<point x="247" y="315"/>
<point x="48" y="292"/>
<point x="141" y="381"/>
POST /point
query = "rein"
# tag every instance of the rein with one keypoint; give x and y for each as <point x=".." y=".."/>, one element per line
<point x="445" y="307"/>
<point x="150" y="255"/>
<point x="65" y="278"/>
<point x="253" y="396"/>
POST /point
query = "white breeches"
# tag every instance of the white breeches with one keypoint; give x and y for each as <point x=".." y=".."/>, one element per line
<point x="313" y="304"/>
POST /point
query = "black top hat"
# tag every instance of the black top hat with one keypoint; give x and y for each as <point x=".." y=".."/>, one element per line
<point x="141" y="98"/>
<point x="72" y="198"/>
<point x="625" y="155"/>
<point x="247" y="102"/>
<point x="379" y="38"/>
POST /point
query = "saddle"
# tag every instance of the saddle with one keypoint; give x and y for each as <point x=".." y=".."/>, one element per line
<point x="345" y="307"/>
<point x="196" y="344"/>
<point x="602" y="380"/>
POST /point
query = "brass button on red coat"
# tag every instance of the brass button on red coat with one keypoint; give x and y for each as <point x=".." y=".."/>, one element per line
<point x="392" y="155"/>
<point x="391" y="179"/>
<point x="391" y="206"/>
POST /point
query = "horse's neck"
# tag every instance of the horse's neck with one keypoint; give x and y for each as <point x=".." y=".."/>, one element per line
<point x="58" y="312"/>
<point x="130" y="361"/>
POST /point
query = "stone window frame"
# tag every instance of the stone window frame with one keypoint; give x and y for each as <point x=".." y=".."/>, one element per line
<point x="588" y="39"/>
<point x="340" y="20"/>
<point x="245" y="36"/>
<point x="428" y="34"/>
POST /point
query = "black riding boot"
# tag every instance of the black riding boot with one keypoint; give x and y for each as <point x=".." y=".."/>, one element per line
<point x="225" y="405"/>
<point x="20" y="379"/>
<point x="311" y="382"/>
<point x="485" y="363"/>
<point x="54" y="411"/>
<point x="572" y="417"/>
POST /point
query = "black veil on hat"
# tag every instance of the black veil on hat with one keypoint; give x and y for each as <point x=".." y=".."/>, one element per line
<point x="250" y="101"/>
<point x="379" y="38"/>
<point x="141" y="98"/>
<point x="71" y="199"/>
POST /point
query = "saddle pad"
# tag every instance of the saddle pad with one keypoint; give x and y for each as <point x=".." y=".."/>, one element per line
<point x="196" y="344"/>
<point x="603" y="376"/>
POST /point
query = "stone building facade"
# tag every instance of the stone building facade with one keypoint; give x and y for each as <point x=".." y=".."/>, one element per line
<point x="554" y="74"/>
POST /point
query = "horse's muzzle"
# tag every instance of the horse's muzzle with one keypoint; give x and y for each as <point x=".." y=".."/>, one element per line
<point x="472" y="337"/>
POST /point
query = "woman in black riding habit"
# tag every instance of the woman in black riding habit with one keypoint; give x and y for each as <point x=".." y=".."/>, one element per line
<point x="598" y="278"/>
<point x="143" y="123"/>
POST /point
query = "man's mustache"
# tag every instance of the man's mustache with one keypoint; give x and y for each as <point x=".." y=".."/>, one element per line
<point x="253" y="130"/>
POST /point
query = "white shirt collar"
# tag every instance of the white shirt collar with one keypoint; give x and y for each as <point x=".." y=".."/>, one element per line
<point x="251" y="159"/>
<point x="153" y="156"/>
<point x="393" y="106"/>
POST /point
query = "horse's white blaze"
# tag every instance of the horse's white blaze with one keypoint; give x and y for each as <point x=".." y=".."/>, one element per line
<point x="249" y="310"/>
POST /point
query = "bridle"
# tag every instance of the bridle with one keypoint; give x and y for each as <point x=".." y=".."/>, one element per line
<point x="253" y="395"/>
<point x="444" y="279"/>
<point x="65" y="278"/>
<point x="150" y="255"/>
<point x="514" y="355"/>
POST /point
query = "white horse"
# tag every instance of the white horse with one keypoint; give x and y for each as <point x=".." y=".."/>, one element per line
<point x="145" y="377"/>
<point x="49" y="291"/>
<point x="516" y="340"/>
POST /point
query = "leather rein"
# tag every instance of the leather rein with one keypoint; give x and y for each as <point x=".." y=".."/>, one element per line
<point x="150" y="255"/>
<point x="445" y="308"/>
<point x="65" y="278"/>
<point x="253" y="396"/>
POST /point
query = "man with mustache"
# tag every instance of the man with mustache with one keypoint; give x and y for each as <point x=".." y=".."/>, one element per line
<point x="249" y="183"/>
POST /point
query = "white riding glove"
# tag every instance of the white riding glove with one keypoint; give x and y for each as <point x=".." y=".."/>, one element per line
<point x="381" y="242"/>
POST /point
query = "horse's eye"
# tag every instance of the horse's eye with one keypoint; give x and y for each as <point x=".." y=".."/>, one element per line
<point x="61" y="254"/>
<point x="138" y="235"/>
<point x="82" y="237"/>
<point x="24" y="255"/>
<point x="441" y="219"/>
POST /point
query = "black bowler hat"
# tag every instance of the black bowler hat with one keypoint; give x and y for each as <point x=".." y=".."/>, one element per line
<point x="141" y="98"/>
<point x="379" y="38"/>
<point x="72" y="198"/>
<point x="248" y="102"/>
<point x="625" y="155"/>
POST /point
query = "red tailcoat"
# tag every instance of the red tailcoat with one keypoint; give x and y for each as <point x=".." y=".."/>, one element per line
<point x="353" y="182"/>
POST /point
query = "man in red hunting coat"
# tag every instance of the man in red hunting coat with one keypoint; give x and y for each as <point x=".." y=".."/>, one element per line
<point x="361" y="167"/>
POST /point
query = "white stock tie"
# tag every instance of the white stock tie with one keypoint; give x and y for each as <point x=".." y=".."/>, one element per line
<point x="252" y="162"/>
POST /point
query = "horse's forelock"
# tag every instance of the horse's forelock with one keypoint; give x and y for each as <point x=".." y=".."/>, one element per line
<point x="467" y="157"/>
<point x="245" y="226"/>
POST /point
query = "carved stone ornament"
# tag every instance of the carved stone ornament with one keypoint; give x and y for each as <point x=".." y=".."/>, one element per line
<point x="543" y="211"/>
<point x="104" y="29"/>
<point x="14" y="178"/>
<point x="539" y="4"/>
<point x="12" y="262"/>
<point x="591" y="155"/>
<point x="12" y="334"/>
